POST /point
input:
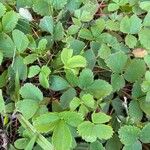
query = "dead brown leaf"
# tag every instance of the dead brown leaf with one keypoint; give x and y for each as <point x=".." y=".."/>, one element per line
<point x="139" y="52"/>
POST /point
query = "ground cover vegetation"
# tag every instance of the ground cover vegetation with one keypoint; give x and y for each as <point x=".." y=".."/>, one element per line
<point x="74" y="74"/>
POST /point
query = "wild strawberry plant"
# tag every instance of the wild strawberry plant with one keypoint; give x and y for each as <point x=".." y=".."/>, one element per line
<point x="75" y="74"/>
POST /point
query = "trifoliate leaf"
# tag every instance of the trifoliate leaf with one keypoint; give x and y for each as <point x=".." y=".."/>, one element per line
<point x="131" y="41"/>
<point x="47" y="24"/>
<point x="27" y="107"/>
<point x="86" y="78"/>
<point x="65" y="142"/>
<point x="20" y="39"/>
<point x="88" y="100"/>
<point x="131" y="25"/>
<point x="9" y="21"/>
<point x="100" y="117"/>
<point x="57" y="83"/>
<point x="46" y="122"/>
<point x="144" y="135"/>
<point x="117" y="65"/>
<point x="129" y="134"/>
<point x="135" y="70"/>
<point x="100" y="89"/>
<point x="30" y="91"/>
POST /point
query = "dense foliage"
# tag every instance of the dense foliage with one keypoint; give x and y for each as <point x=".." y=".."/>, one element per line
<point x="75" y="74"/>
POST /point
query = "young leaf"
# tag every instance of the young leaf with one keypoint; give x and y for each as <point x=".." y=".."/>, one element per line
<point x="29" y="91"/>
<point x="20" y="39"/>
<point x="88" y="100"/>
<point x="65" y="142"/>
<point x="9" y="21"/>
<point x="100" y="118"/>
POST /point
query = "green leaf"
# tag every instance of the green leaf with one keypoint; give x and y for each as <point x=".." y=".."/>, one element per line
<point x="135" y="111"/>
<point x="43" y="79"/>
<point x="144" y="37"/>
<point x="2" y="103"/>
<point x="131" y="41"/>
<point x="100" y="89"/>
<point x="74" y="103"/>
<point x="85" y="34"/>
<point x="33" y="71"/>
<point x="47" y="24"/>
<point x="6" y="45"/>
<point x="66" y="54"/>
<point x="58" y="32"/>
<point x="146" y="21"/>
<point x="112" y="25"/>
<point x="96" y="146"/>
<point x="86" y="78"/>
<point x="87" y="131"/>
<point x="130" y="25"/>
<point x="137" y="145"/>
<point x="73" y="29"/>
<point x="104" y="51"/>
<point x="100" y="118"/>
<point x="145" y="5"/>
<point x="2" y="10"/>
<point x="65" y="142"/>
<point x="30" y="91"/>
<point x="21" y="143"/>
<point x="42" y="7"/>
<point x="27" y="107"/>
<point x="117" y="81"/>
<point x="144" y="135"/>
<point x="76" y="61"/>
<point x="129" y="134"/>
<point x="31" y="58"/>
<point x="46" y="122"/>
<point x="9" y="21"/>
<point x="1" y="57"/>
<point x="104" y="132"/>
<point x="117" y="65"/>
<point x="31" y="143"/>
<point x="113" y="7"/>
<point x="72" y="118"/>
<point x="135" y="70"/>
<point x="66" y="97"/>
<point x="20" y="39"/>
<point x="88" y="100"/>
<point x="58" y="83"/>
<point x="145" y="106"/>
